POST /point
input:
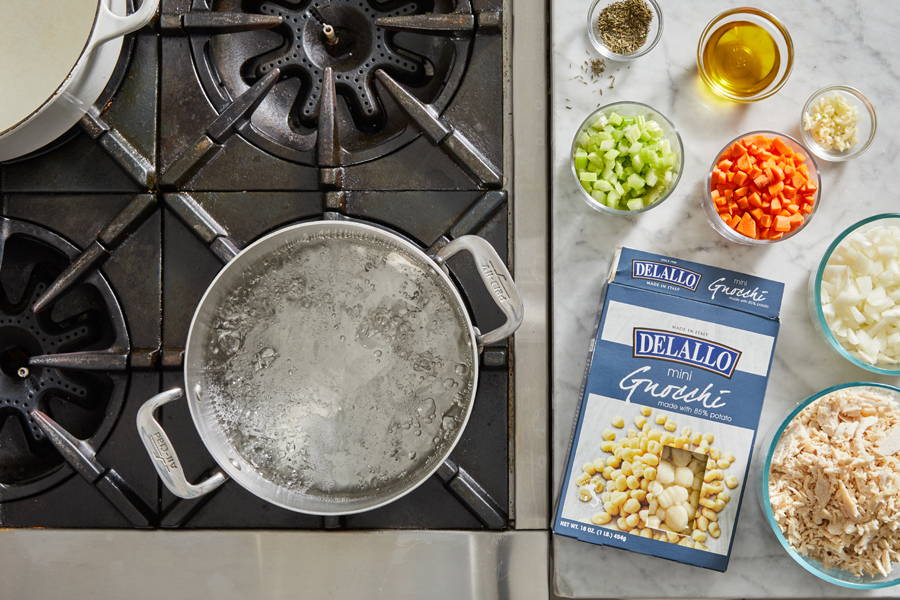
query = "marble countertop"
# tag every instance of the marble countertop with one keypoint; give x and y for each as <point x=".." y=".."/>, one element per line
<point x="853" y="43"/>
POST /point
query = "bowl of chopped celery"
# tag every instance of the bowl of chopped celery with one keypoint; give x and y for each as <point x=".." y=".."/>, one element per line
<point x="626" y="158"/>
<point x="838" y="123"/>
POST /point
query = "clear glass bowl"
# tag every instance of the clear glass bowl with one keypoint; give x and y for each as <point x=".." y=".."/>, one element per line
<point x="629" y="109"/>
<point x="653" y="35"/>
<point x="730" y="234"/>
<point x="768" y="22"/>
<point x="865" y="129"/>
<point x="815" y="289"/>
<point x="835" y="576"/>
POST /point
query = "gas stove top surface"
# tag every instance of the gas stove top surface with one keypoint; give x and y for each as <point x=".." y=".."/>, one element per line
<point x="225" y="122"/>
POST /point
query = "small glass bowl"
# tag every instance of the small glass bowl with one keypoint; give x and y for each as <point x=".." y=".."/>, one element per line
<point x="653" y="35"/>
<point x="834" y="576"/>
<point x="815" y="290"/>
<point x="629" y="109"/>
<point x="865" y="129"/>
<point x="773" y="26"/>
<point x="730" y="234"/>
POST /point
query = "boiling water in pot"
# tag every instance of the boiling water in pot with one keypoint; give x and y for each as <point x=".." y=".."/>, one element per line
<point x="339" y="364"/>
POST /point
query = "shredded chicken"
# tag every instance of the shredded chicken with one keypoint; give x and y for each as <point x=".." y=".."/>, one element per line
<point x="834" y="485"/>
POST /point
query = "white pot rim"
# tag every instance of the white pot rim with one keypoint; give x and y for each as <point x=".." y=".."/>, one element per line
<point x="83" y="56"/>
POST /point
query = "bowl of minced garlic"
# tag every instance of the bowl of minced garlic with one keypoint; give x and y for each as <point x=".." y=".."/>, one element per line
<point x="838" y="123"/>
<point x="831" y="485"/>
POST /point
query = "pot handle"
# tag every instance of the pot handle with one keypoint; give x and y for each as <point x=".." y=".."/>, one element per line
<point x="162" y="453"/>
<point x="496" y="279"/>
<point x="109" y="25"/>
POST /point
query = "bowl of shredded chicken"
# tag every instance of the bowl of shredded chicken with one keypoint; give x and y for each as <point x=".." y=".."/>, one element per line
<point x="831" y="485"/>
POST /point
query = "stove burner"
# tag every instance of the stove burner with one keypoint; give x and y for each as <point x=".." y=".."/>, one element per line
<point x="341" y="35"/>
<point x="86" y="318"/>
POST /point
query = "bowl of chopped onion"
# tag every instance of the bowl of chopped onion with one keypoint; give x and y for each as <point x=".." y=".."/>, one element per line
<point x="855" y="294"/>
<point x="837" y="521"/>
<point x="838" y="123"/>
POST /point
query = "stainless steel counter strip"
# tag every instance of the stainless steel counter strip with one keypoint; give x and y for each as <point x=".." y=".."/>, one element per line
<point x="46" y="564"/>
<point x="529" y="105"/>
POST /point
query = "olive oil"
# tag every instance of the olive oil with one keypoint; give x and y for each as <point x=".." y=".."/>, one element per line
<point x="742" y="58"/>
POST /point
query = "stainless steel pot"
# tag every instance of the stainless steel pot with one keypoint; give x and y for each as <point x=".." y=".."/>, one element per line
<point x="331" y="367"/>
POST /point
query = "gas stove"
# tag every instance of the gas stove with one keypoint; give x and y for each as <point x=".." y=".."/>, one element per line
<point x="225" y="121"/>
<point x="268" y="113"/>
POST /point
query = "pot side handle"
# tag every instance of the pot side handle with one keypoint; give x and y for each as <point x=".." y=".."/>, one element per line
<point x="109" y="25"/>
<point x="162" y="453"/>
<point x="496" y="279"/>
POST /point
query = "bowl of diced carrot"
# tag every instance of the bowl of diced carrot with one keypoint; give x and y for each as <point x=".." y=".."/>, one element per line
<point x="763" y="187"/>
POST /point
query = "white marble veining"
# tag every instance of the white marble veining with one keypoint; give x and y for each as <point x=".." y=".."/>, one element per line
<point x="841" y="42"/>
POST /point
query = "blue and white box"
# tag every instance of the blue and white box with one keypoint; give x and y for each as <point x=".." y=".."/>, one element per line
<point x="669" y="410"/>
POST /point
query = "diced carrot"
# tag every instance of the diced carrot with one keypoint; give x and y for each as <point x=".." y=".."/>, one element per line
<point x="775" y="206"/>
<point x="755" y="200"/>
<point x="743" y="162"/>
<point x="782" y="223"/>
<point x="798" y="180"/>
<point x="780" y="147"/>
<point x="766" y="221"/>
<point x="733" y="222"/>
<point x="757" y="214"/>
<point x="775" y="236"/>
<point x="793" y="208"/>
<point x="740" y="178"/>
<point x="741" y="191"/>
<point x="743" y="204"/>
<point x="729" y="176"/>
<point x="724" y="164"/>
<point x="806" y="209"/>
<point x="779" y="174"/>
<point x="761" y="181"/>
<point x="747" y="226"/>
<point x="789" y="191"/>
<point x="795" y="220"/>
<point x="776" y="188"/>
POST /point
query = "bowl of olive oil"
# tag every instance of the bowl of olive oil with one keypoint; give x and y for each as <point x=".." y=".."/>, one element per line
<point x="745" y="54"/>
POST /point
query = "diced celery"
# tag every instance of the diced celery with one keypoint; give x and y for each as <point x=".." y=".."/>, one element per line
<point x="636" y="182"/>
<point x="581" y="159"/>
<point x="637" y="162"/>
<point x="632" y="132"/>
<point x="624" y="161"/>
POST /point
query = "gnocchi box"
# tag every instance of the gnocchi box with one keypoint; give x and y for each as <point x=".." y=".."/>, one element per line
<point x="670" y="405"/>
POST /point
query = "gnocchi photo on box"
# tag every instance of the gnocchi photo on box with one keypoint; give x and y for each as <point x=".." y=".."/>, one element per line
<point x="669" y="410"/>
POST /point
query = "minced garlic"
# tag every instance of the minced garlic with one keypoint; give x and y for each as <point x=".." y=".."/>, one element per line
<point x="832" y="121"/>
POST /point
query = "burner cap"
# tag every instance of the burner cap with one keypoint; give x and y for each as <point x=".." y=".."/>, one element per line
<point x="342" y="35"/>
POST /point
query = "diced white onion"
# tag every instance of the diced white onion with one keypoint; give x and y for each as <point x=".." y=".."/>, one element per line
<point x="860" y="294"/>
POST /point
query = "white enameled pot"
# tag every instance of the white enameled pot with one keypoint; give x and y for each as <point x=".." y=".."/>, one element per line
<point x="55" y="59"/>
